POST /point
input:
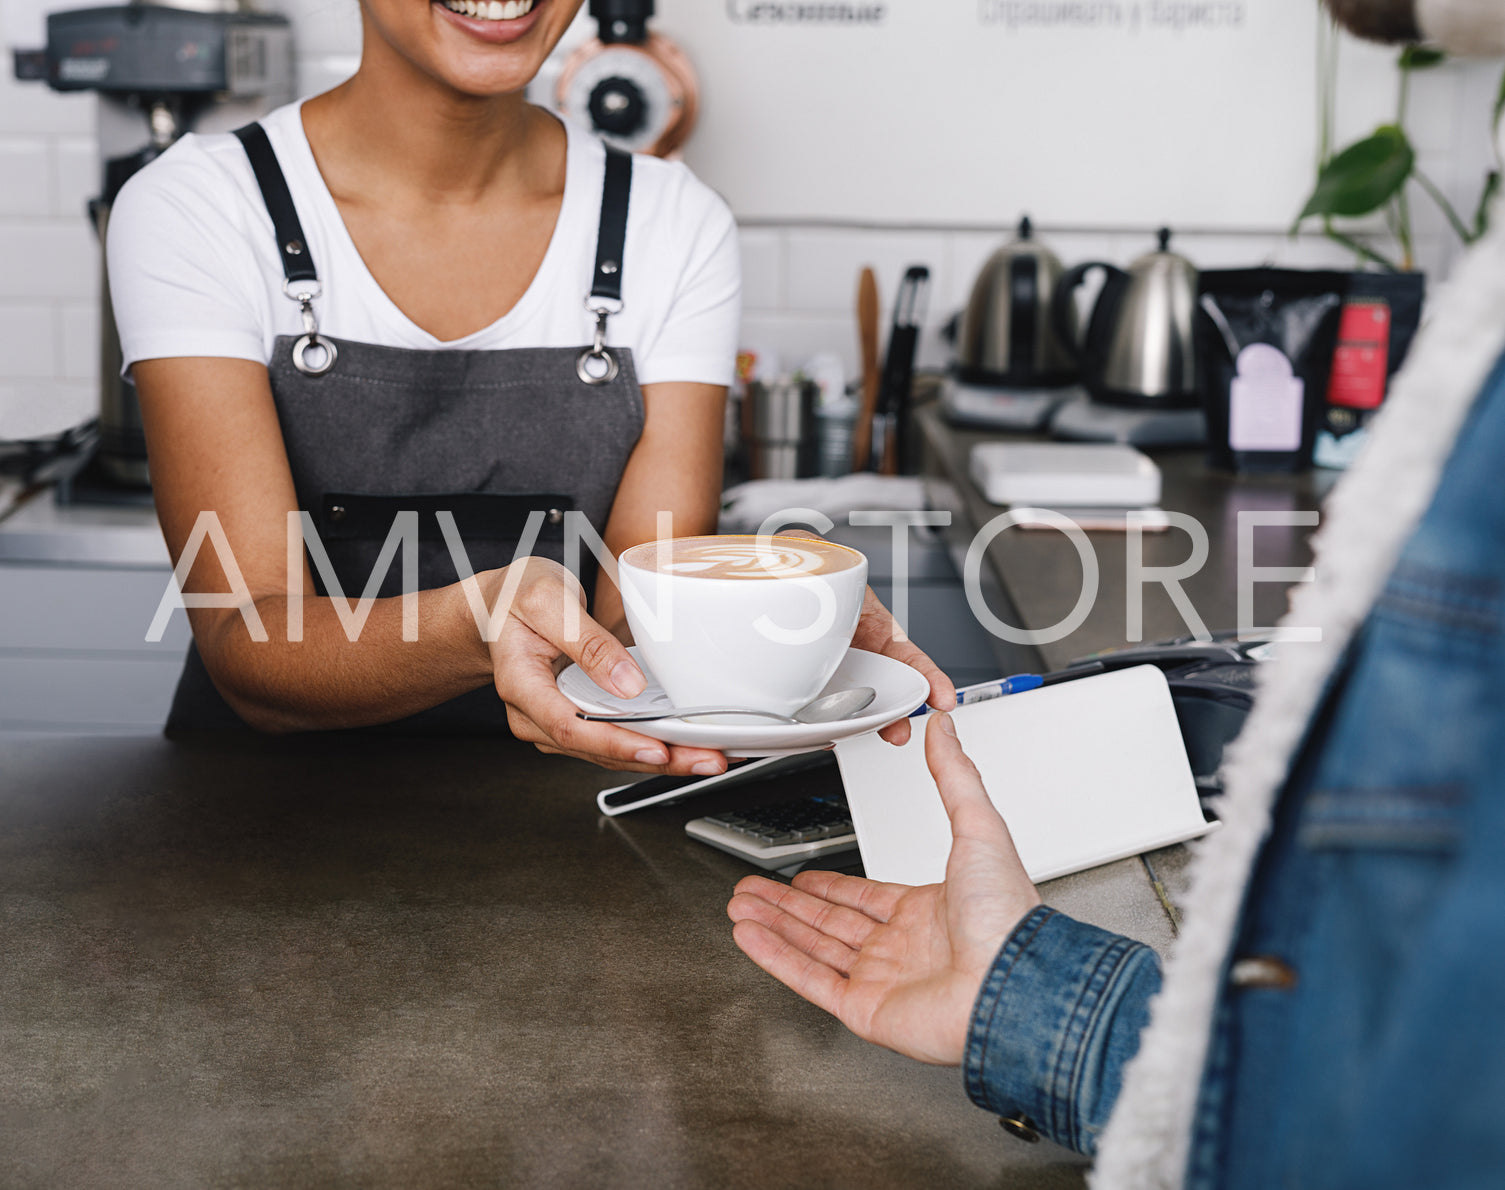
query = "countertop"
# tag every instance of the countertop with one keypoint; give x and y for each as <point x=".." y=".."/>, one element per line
<point x="40" y="531"/>
<point x="1041" y="575"/>
<point x="384" y="962"/>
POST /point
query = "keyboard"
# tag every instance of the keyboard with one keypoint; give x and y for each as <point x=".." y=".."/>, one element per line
<point x="785" y="834"/>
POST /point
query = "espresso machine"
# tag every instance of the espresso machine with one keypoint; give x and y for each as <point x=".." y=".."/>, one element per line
<point x="160" y="69"/>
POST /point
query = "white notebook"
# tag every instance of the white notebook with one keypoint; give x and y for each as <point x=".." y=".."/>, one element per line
<point x="1084" y="773"/>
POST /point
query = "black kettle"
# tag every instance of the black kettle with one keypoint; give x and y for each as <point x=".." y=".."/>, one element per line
<point x="1137" y="351"/>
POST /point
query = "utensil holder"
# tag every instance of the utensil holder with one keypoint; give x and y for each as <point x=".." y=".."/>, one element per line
<point x="779" y="423"/>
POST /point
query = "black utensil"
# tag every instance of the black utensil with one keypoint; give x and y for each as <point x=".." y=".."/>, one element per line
<point x="898" y="372"/>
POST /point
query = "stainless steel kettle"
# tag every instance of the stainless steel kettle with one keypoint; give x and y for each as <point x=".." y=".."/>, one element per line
<point x="1138" y="347"/>
<point x="1007" y="338"/>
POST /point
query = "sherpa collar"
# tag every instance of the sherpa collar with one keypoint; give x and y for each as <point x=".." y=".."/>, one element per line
<point x="1474" y="28"/>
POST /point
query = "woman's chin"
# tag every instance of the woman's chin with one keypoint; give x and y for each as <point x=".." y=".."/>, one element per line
<point x="484" y="80"/>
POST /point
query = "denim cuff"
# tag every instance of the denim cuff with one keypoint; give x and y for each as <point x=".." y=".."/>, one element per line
<point x="1058" y="1017"/>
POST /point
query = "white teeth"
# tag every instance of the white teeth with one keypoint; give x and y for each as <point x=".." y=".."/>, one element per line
<point x="491" y="10"/>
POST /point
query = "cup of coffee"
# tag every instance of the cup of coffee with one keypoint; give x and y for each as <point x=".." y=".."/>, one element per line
<point x="744" y="621"/>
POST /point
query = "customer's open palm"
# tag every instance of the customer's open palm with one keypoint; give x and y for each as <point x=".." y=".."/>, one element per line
<point x="897" y="965"/>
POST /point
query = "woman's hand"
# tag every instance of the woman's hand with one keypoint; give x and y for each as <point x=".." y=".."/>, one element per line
<point x="878" y="632"/>
<point x="537" y="640"/>
<point x="899" y="966"/>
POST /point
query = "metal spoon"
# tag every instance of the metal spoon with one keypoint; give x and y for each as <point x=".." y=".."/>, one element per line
<point x="827" y="709"/>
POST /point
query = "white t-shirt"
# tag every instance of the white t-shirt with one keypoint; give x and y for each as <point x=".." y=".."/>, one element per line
<point x="194" y="269"/>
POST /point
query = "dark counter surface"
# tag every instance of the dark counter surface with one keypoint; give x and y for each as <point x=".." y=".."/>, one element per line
<point x="1040" y="573"/>
<point x="417" y="963"/>
<point x="385" y="962"/>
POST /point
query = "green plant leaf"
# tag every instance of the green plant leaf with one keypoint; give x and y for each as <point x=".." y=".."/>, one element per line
<point x="1499" y="104"/>
<point x="1420" y="57"/>
<point x="1363" y="177"/>
<point x="1481" y="215"/>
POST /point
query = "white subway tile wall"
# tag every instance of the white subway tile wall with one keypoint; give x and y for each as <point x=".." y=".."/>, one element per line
<point x="77" y="336"/>
<point x="799" y="281"/>
<point x="47" y="258"/>
<point x="824" y="263"/>
<point x="48" y="261"/>
<point x="25" y="182"/>
<point x="762" y="270"/>
<point x="30" y="109"/>
<point x="75" y="172"/>
<point x="26" y="340"/>
<point x="822" y="266"/>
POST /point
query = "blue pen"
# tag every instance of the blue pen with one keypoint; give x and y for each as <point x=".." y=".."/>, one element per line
<point x="983" y="691"/>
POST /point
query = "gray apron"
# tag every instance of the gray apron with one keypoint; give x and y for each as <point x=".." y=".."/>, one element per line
<point x="487" y="436"/>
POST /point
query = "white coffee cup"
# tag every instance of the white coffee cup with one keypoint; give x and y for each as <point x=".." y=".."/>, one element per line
<point x="742" y="621"/>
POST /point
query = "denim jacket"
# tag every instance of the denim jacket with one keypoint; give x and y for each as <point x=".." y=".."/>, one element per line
<point x="1359" y="1037"/>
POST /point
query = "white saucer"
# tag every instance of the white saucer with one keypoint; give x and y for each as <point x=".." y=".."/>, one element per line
<point x="900" y="691"/>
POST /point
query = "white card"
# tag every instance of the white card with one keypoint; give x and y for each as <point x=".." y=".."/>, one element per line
<point x="1084" y="773"/>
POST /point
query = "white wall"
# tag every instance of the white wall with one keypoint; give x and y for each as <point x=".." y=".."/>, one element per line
<point x="1087" y="112"/>
<point x="799" y="274"/>
<point x="48" y="263"/>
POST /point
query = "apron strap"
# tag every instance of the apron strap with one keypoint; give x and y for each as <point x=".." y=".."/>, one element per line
<point x="292" y="248"/>
<point x="298" y="262"/>
<point x="596" y="364"/>
<point x="611" y="237"/>
<point x="300" y="280"/>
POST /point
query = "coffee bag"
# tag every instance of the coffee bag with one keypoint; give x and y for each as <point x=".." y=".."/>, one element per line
<point x="1264" y="342"/>
<point x="1380" y="315"/>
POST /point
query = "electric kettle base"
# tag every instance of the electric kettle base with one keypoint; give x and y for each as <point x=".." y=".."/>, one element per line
<point x="1022" y="410"/>
<point x="1082" y="419"/>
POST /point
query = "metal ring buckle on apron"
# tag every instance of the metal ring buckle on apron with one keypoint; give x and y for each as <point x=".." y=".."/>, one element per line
<point x="304" y="295"/>
<point x="598" y="355"/>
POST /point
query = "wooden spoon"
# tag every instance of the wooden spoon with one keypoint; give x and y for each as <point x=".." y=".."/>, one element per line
<point x="867" y="333"/>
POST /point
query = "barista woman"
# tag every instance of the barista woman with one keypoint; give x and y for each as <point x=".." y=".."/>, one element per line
<point x="418" y="292"/>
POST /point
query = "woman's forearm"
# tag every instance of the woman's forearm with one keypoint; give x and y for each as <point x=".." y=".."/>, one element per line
<point x="326" y="680"/>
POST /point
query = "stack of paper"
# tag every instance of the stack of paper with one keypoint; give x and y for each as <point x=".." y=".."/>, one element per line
<point x="1095" y="485"/>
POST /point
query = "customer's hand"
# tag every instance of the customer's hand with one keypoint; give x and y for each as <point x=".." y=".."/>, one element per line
<point x="897" y="965"/>
<point x="878" y="632"/>
<point x="536" y="642"/>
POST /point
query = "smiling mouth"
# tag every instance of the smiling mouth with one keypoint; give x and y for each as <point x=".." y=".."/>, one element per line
<point x="490" y="10"/>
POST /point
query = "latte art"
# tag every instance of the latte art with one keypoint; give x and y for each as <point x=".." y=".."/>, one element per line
<point x="742" y="557"/>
